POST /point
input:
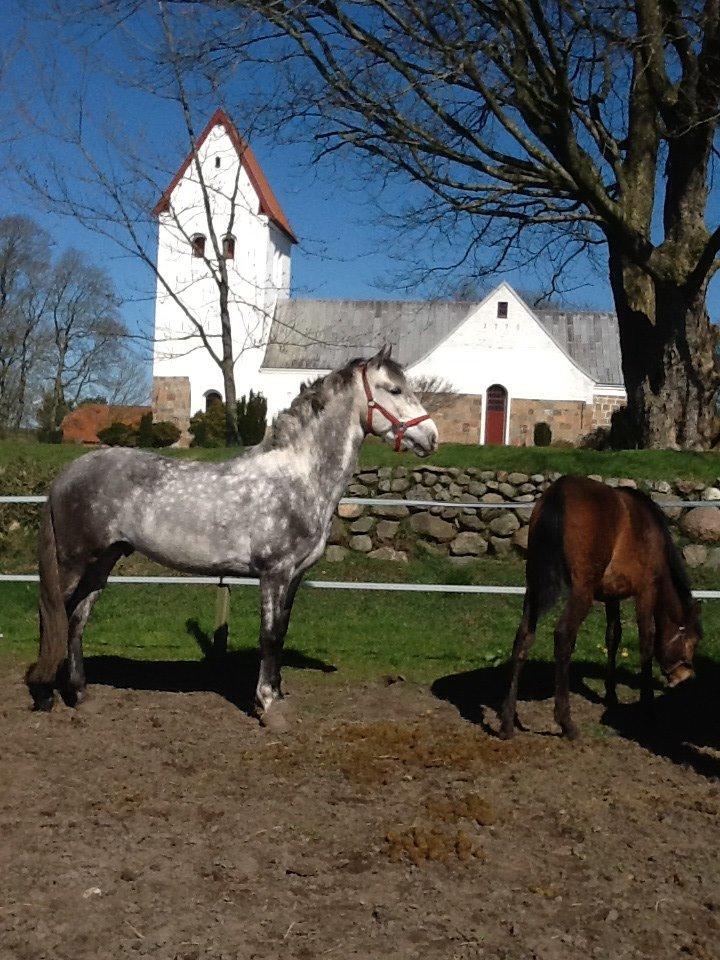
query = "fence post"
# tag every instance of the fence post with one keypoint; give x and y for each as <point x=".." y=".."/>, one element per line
<point x="222" y="611"/>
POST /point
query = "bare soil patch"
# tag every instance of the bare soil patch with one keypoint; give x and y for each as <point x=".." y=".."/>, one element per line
<point x="381" y="823"/>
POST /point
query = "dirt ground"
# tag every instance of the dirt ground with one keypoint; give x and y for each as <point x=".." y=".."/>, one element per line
<point x="385" y="821"/>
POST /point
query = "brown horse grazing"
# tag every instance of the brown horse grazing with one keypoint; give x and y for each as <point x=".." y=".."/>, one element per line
<point x="604" y="544"/>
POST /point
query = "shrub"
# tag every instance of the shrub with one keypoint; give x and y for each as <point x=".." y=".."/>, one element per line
<point x="145" y="431"/>
<point x="598" y="439"/>
<point x="118" y="435"/>
<point x="252" y="418"/>
<point x="620" y="435"/>
<point x="48" y="429"/>
<point x="208" y="428"/>
<point x="542" y="435"/>
<point x="164" y="434"/>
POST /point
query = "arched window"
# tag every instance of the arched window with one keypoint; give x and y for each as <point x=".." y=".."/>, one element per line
<point x="229" y="247"/>
<point x="198" y="245"/>
<point x="212" y="398"/>
<point x="495" y="414"/>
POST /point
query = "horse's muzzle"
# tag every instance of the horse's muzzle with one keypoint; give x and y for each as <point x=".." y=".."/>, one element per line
<point x="422" y="440"/>
<point x="679" y="674"/>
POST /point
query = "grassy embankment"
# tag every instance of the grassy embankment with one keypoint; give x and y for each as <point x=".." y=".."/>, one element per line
<point x="638" y="464"/>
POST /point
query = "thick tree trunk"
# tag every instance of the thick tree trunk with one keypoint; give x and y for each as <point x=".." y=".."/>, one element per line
<point x="669" y="358"/>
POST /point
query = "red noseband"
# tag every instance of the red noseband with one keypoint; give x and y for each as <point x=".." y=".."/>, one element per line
<point x="399" y="427"/>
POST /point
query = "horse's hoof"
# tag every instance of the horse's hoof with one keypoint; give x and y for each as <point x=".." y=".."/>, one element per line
<point x="76" y="697"/>
<point x="570" y="731"/>
<point x="43" y="696"/>
<point x="506" y="732"/>
<point x="44" y="704"/>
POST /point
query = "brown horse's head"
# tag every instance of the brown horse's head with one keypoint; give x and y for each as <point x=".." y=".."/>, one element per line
<point x="678" y="642"/>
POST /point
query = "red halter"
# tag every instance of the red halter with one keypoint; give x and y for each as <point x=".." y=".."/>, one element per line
<point x="399" y="426"/>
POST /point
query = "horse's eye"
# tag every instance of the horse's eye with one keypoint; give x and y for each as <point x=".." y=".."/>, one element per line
<point x="396" y="391"/>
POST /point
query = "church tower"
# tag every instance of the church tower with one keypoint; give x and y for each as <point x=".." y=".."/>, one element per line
<point x="227" y="207"/>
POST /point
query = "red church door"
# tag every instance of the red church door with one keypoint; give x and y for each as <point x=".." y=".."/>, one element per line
<point x="495" y="414"/>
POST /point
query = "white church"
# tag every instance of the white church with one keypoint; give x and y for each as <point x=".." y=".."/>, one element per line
<point x="505" y="367"/>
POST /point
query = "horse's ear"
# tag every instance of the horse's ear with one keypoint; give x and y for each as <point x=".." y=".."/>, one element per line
<point x="381" y="356"/>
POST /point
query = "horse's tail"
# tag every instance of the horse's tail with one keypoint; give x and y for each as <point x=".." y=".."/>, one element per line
<point x="546" y="569"/>
<point x="40" y="677"/>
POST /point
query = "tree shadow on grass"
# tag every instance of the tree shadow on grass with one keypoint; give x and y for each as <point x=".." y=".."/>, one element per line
<point x="685" y="722"/>
<point x="232" y="675"/>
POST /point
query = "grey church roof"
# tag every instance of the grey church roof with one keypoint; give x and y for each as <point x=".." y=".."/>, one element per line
<point x="591" y="339"/>
<point x="324" y="334"/>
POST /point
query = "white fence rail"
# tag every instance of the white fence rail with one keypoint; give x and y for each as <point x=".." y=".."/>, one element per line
<point x="470" y="588"/>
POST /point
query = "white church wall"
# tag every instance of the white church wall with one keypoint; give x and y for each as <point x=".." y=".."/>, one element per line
<point x="259" y="273"/>
<point x="513" y="351"/>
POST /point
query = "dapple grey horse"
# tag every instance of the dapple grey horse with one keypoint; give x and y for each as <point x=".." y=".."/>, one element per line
<point x="264" y="513"/>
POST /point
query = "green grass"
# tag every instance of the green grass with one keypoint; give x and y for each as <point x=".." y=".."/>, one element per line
<point x="637" y="464"/>
<point x="48" y="459"/>
<point x="422" y="636"/>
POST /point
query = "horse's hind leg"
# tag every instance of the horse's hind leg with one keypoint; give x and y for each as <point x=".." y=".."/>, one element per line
<point x="576" y="609"/>
<point x="277" y="596"/>
<point x="79" y="607"/>
<point x="524" y="639"/>
<point x="613" y="635"/>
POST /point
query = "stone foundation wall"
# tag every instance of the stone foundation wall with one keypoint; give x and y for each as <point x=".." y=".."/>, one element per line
<point x="457" y="416"/>
<point x="604" y="408"/>
<point x="398" y="532"/>
<point x="568" y="419"/>
<point x="171" y="402"/>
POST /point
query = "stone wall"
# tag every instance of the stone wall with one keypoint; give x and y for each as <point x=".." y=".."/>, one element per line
<point x="568" y="419"/>
<point x="397" y="532"/>
<point x="457" y="416"/>
<point x="171" y="402"/>
<point x="604" y="408"/>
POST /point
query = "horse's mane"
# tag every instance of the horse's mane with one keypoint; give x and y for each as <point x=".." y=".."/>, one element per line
<point x="313" y="398"/>
<point x="676" y="564"/>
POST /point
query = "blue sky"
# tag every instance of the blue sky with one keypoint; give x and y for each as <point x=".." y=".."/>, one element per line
<point x="345" y="249"/>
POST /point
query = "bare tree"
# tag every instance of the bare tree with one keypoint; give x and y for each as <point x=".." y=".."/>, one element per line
<point x="87" y="333"/>
<point x="23" y="297"/>
<point x="554" y="128"/>
<point x="115" y="192"/>
<point x="435" y="393"/>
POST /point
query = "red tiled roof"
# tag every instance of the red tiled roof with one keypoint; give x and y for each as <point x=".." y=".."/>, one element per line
<point x="82" y="425"/>
<point x="269" y="204"/>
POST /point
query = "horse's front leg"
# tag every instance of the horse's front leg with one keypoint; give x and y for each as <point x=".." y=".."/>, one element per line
<point x="277" y="596"/>
<point x="645" y="612"/>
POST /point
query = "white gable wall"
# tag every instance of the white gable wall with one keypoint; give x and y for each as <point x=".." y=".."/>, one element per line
<point x="259" y="274"/>
<point x="515" y="352"/>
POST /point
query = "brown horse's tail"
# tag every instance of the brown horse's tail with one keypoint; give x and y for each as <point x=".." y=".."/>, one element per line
<point x="546" y="572"/>
<point x="40" y="677"/>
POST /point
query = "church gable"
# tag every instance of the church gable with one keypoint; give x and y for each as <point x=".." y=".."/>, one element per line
<point x="502" y="342"/>
<point x="219" y="147"/>
<point x="455" y="340"/>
